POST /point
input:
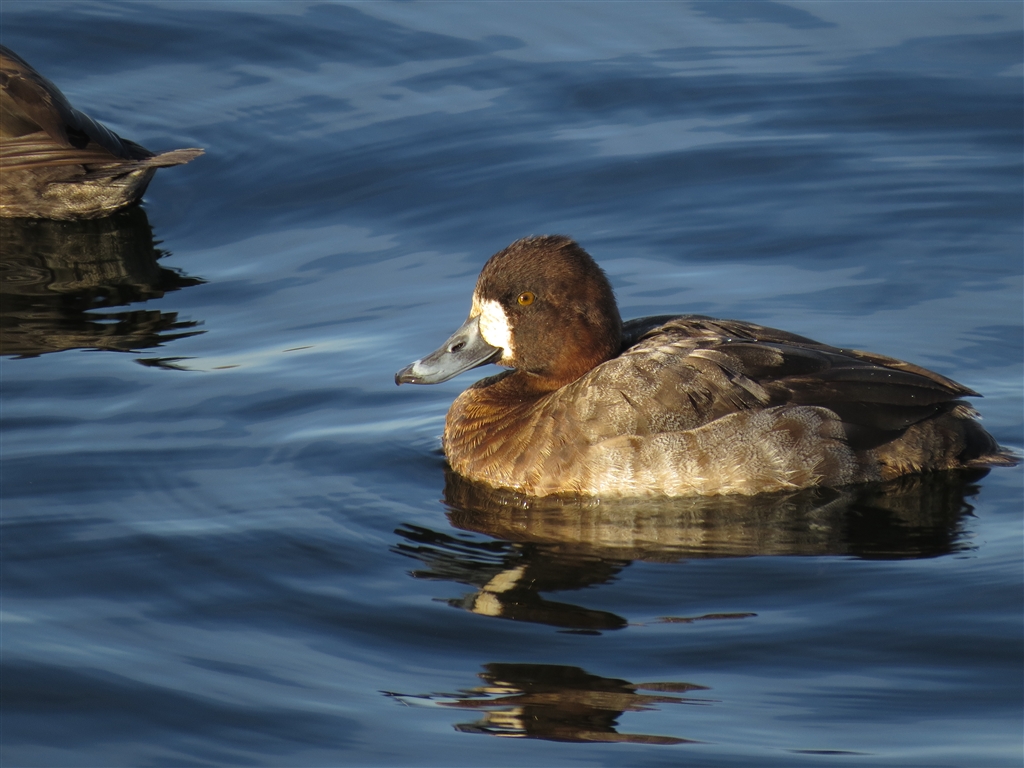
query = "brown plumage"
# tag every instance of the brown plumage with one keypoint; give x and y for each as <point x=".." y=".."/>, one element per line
<point x="58" y="163"/>
<point x="679" y="405"/>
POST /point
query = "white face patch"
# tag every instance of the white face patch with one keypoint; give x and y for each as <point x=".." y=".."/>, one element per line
<point x="494" y="327"/>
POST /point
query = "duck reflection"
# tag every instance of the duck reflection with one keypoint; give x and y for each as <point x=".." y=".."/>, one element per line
<point x="508" y="577"/>
<point x="543" y="545"/>
<point x="55" y="275"/>
<point x="560" y="703"/>
<point x="910" y="517"/>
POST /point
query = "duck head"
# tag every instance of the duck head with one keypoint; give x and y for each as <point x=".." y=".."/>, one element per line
<point x="541" y="306"/>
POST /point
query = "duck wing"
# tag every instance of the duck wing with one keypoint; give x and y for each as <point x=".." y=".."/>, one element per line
<point x="683" y="372"/>
<point x="30" y="104"/>
<point x="39" y="127"/>
<point x="59" y="163"/>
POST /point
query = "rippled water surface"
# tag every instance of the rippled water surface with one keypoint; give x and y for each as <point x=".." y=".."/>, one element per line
<point x="228" y="538"/>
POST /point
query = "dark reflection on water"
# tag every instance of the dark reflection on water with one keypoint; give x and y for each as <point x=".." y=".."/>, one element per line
<point x="509" y="577"/>
<point x="911" y="517"/>
<point x="57" y="278"/>
<point x="561" y="544"/>
<point x="559" y="703"/>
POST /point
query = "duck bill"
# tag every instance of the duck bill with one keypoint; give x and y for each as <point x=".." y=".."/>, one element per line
<point x="464" y="350"/>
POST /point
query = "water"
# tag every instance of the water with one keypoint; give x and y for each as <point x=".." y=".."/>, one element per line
<point x="229" y="539"/>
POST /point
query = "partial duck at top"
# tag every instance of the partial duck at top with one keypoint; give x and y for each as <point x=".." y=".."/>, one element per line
<point x="58" y="163"/>
<point x="676" y="405"/>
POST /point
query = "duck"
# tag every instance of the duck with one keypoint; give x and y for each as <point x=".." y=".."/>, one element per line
<point x="57" y="162"/>
<point x="685" y="405"/>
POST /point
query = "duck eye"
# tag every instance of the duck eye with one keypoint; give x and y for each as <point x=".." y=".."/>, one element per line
<point x="526" y="298"/>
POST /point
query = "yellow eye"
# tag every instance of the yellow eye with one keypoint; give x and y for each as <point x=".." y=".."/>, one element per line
<point x="526" y="298"/>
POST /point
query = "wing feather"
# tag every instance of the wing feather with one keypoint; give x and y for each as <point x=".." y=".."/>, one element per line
<point x="700" y="369"/>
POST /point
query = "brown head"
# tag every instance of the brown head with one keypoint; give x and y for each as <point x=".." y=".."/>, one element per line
<point x="541" y="306"/>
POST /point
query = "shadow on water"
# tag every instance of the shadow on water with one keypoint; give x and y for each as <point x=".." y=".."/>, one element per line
<point x="558" y="703"/>
<point x="57" y="277"/>
<point x="560" y="544"/>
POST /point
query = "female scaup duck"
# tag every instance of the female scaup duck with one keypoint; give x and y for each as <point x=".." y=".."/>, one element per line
<point x="675" y="405"/>
<point x="57" y="162"/>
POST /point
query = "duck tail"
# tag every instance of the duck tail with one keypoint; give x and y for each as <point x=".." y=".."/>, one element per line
<point x="174" y="157"/>
<point x="1002" y="457"/>
<point x="980" y="449"/>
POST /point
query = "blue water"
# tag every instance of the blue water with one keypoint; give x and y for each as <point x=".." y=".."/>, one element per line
<point x="228" y="539"/>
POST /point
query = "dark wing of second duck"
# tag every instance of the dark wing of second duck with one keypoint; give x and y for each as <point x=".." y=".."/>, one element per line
<point x="57" y="162"/>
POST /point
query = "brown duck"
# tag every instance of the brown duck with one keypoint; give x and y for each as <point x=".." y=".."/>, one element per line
<point x="57" y="162"/>
<point x="676" y="405"/>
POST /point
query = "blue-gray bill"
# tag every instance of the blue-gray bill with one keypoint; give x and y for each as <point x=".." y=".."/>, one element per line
<point x="465" y="349"/>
